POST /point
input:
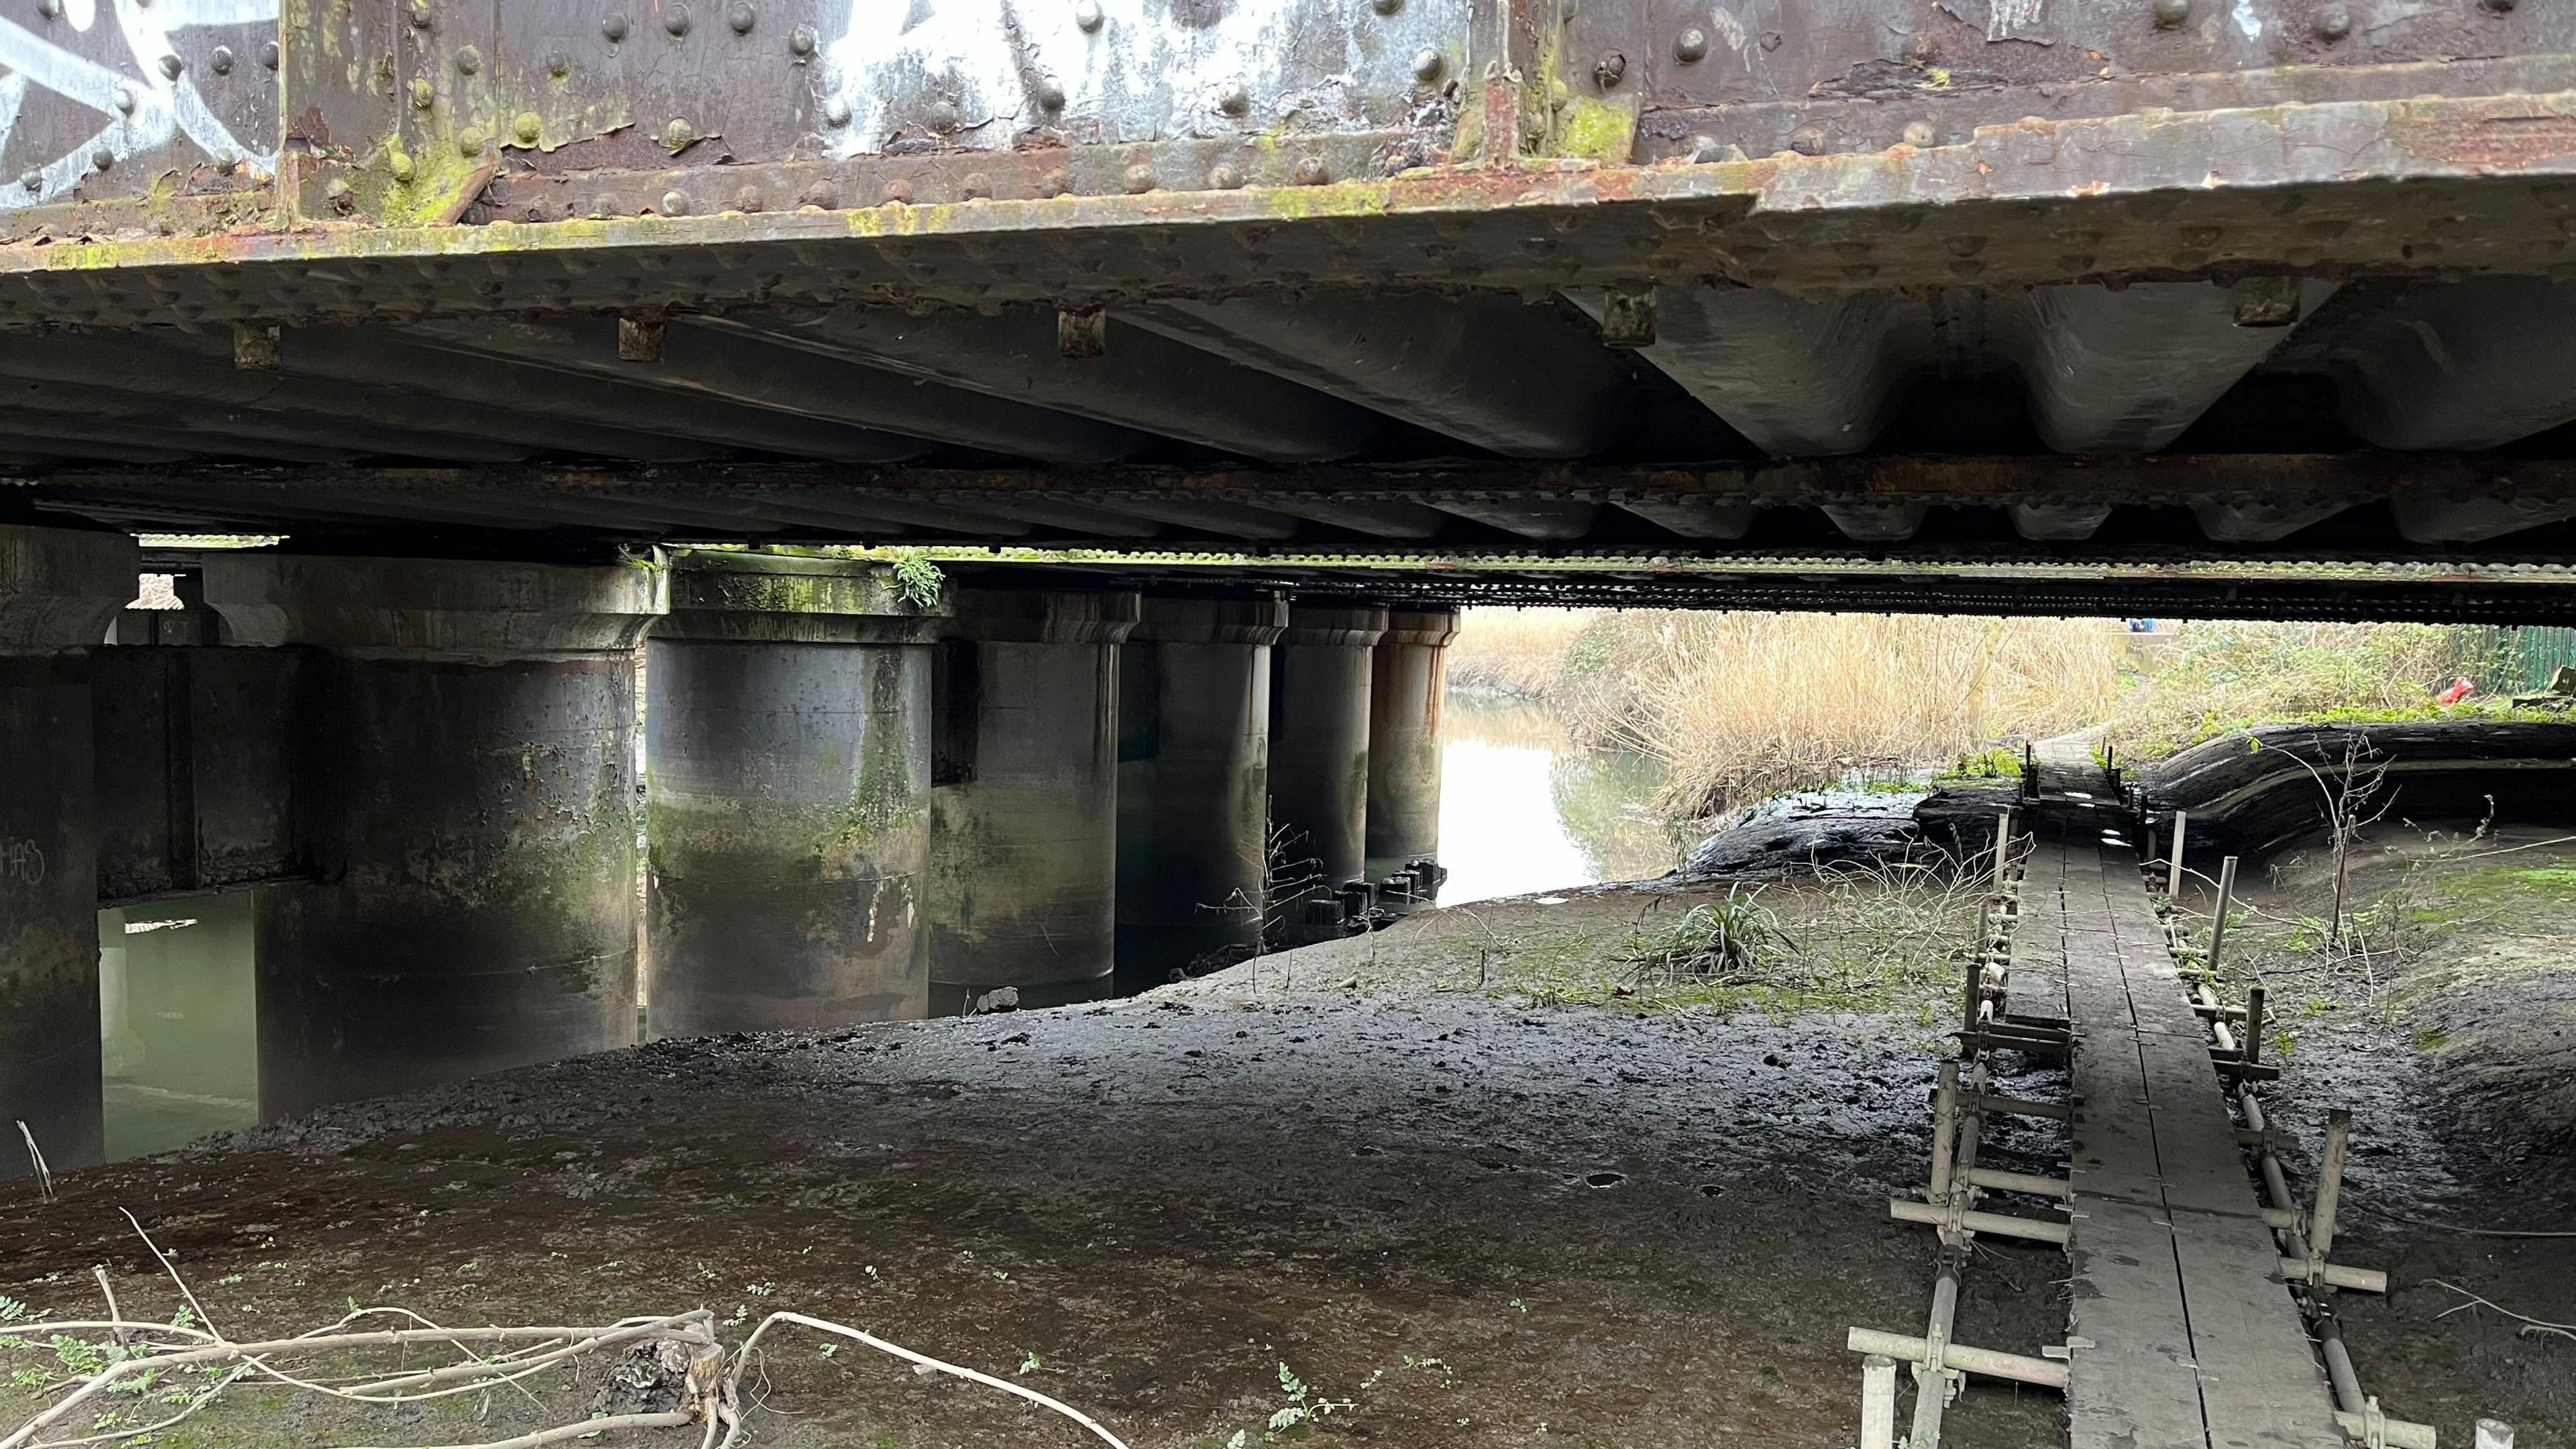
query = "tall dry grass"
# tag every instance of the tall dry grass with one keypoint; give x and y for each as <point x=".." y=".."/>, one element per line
<point x="1515" y="653"/>
<point x="1743" y="706"/>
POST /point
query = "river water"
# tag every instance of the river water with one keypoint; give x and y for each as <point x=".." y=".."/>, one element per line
<point x="1523" y="809"/>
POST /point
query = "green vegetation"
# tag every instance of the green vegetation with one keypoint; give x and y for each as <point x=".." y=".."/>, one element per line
<point x="1717" y="942"/>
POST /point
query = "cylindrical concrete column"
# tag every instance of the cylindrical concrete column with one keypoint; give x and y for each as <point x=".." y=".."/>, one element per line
<point x="1193" y="782"/>
<point x="1319" y="740"/>
<point x="788" y="796"/>
<point x="466" y="794"/>
<point x="1408" y="682"/>
<point x="60" y="590"/>
<point x="1024" y="798"/>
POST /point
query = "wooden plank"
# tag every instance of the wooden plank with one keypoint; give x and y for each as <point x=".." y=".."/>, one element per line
<point x="2135" y="1386"/>
<point x="2260" y="1385"/>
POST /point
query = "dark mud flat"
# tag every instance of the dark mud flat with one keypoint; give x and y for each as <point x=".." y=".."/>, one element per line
<point x="1468" y="1219"/>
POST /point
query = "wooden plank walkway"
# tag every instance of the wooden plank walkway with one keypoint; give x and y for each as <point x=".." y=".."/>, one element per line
<point x="2181" y="1336"/>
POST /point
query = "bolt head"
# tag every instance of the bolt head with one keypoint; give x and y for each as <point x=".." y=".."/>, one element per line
<point x="1233" y="98"/>
<point x="527" y="126"/>
<point x="1691" y="45"/>
<point x="171" y="65"/>
<point x="677" y="135"/>
<point x="613" y="26"/>
<point x="1224" y="177"/>
<point x="741" y="17"/>
<point x="675" y="21"/>
<point x="675" y="203"/>
<point x="2170" y="14"/>
<point x="1086" y="13"/>
<point x="1427" y="65"/>
<point x="268" y="54"/>
<point x="801" y="42"/>
<point x="1610" y="69"/>
<point x="220" y="60"/>
<point x="1310" y="171"/>
<point x="836" y="112"/>
<point x="1139" y="178"/>
<point x="339" y="195"/>
<point x="469" y="61"/>
<point x="423" y="94"/>
<point x="1051" y="93"/>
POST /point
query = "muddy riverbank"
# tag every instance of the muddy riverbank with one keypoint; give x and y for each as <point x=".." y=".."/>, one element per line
<point x="1478" y="1176"/>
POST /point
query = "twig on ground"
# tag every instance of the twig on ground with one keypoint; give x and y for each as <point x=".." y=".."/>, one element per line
<point x="36" y="1155"/>
<point x="668" y="1419"/>
<point x="743" y="1356"/>
<point x="2533" y="1325"/>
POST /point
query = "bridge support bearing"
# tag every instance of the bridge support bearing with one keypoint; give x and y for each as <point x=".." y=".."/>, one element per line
<point x="60" y="589"/>
<point x="1319" y="766"/>
<point x="1409" y="680"/>
<point x="788" y="811"/>
<point x="466" y="794"/>
<point x="1193" y="781"/>
<point x="1024" y="798"/>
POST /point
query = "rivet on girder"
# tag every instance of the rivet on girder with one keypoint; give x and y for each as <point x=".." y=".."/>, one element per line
<point x="1050" y="93"/>
<point x="2334" y="22"/>
<point x="1310" y="171"/>
<point x="1918" y="133"/>
<point x="897" y="192"/>
<point x="1691" y="45"/>
<point x="613" y="26"/>
<point x="469" y="61"/>
<point x="171" y="65"/>
<point x="125" y="99"/>
<point x="1139" y="178"/>
<point x="836" y="112"/>
<point x="1628" y="315"/>
<point x="976" y="186"/>
<point x="1056" y="183"/>
<point x="102" y="158"/>
<point x="675" y="21"/>
<point x="675" y="203"/>
<point x="558" y="65"/>
<point x="50" y="9"/>
<point x="255" y="346"/>
<point x="1386" y="7"/>
<point x="801" y="42"/>
<point x="403" y="170"/>
<point x="424" y="94"/>
<point x="1087" y="14"/>
<point x="342" y="199"/>
<point x="2500" y="5"/>
<point x="527" y="126"/>
<point x="741" y="17"/>
<point x="1610" y="69"/>
<point x="220" y="60"/>
<point x="1082" y="333"/>
<point x="639" y="339"/>
<point x="822" y="195"/>
<point x="1808" y="140"/>
<point x="1234" y="98"/>
<point x="268" y="55"/>
<point x="677" y="135"/>
<point x="2170" y="14"/>
<point x="1427" y="65"/>
<point x="420" y="15"/>
<point x="469" y="142"/>
<point x="750" y="199"/>
<point x="1223" y="176"/>
<point x="941" y="116"/>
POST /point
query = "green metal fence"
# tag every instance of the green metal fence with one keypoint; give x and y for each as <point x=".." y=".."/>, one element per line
<point x="2532" y="653"/>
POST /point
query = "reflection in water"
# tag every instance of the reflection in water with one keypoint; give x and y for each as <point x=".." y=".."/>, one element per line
<point x="1521" y="809"/>
<point x="177" y="1024"/>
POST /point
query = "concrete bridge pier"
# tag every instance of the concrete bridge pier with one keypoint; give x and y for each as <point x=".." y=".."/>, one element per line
<point x="1193" y="782"/>
<point x="465" y="795"/>
<point x="1319" y="765"/>
<point x="60" y="589"/>
<point x="1024" y="798"/>
<point x="788" y="805"/>
<point x="1409" y="681"/>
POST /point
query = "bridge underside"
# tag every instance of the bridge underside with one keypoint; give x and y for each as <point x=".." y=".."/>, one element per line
<point x="2135" y="283"/>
